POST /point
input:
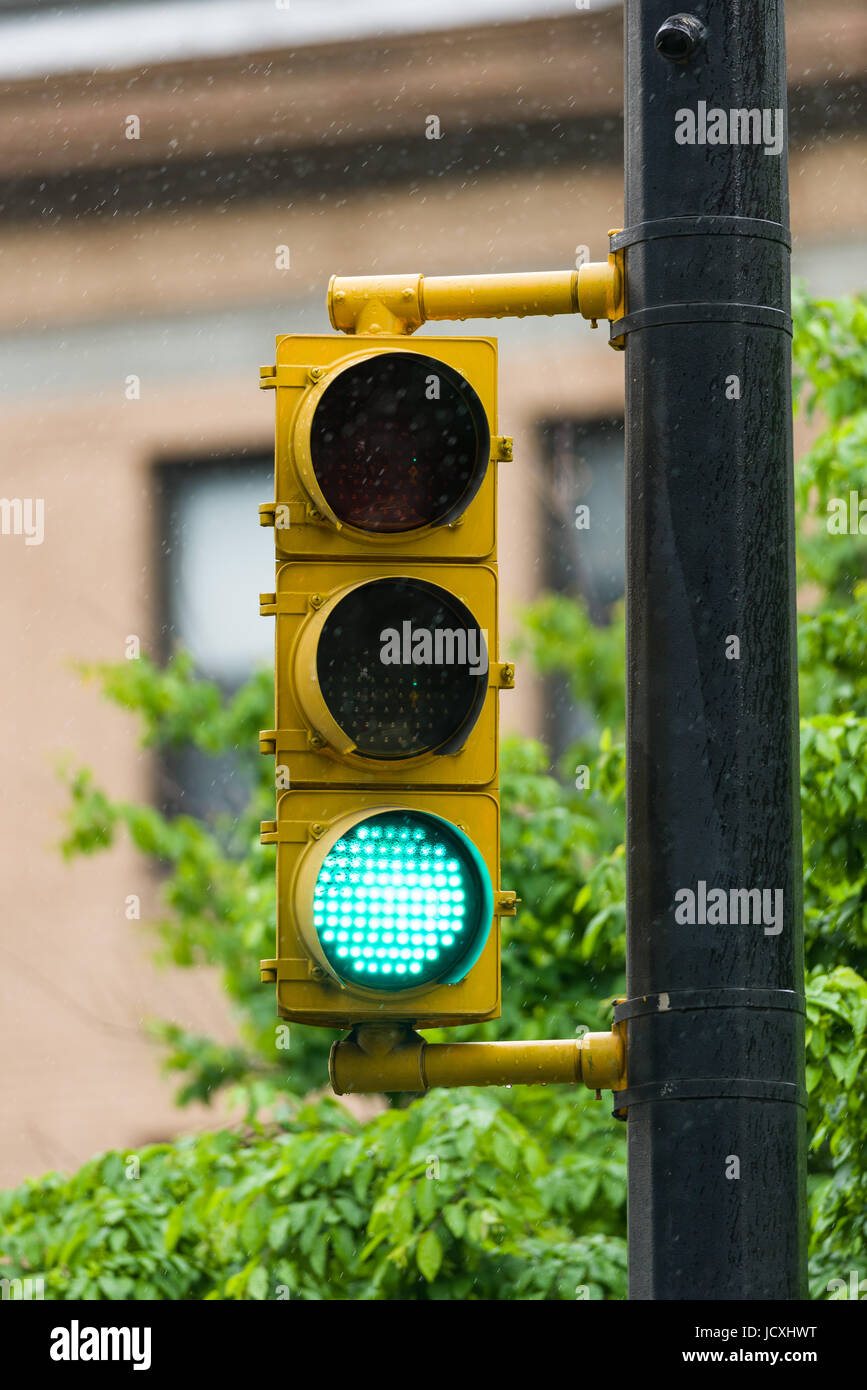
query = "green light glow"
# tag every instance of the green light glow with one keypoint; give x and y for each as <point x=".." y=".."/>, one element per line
<point x="401" y="900"/>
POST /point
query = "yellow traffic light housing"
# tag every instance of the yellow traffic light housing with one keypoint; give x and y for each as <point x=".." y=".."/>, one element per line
<point x="387" y="678"/>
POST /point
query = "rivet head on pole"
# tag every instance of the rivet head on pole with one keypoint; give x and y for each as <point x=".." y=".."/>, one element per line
<point x="679" y="37"/>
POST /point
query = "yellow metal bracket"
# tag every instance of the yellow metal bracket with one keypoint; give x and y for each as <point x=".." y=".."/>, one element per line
<point x="379" y="1057"/>
<point x="602" y="290"/>
<point x="373" y="304"/>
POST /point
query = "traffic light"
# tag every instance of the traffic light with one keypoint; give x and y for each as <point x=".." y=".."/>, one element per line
<point x="387" y="680"/>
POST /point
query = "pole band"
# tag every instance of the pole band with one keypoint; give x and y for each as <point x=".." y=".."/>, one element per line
<point x="712" y="1088"/>
<point x="756" y="314"/>
<point x="701" y="225"/>
<point x="684" y="999"/>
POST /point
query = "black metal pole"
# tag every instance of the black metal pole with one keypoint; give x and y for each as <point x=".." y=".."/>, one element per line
<point x="716" y="1101"/>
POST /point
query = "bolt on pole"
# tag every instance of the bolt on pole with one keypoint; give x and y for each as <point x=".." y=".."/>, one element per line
<point x="715" y="1008"/>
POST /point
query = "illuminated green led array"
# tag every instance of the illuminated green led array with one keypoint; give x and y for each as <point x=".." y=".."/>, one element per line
<point x="402" y="899"/>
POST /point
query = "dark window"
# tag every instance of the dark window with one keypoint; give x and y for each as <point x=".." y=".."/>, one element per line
<point x="215" y="560"/>
<point x="584" y="550"/>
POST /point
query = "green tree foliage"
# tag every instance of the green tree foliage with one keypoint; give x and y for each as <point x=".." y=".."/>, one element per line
<point x="412" y="1205"/>
<point x="830" y="373"/>
<point x="831" y="382"/>
<point x="476" y="1194"/>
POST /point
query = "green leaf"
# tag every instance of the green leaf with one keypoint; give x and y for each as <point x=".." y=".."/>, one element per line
<point x="403" y="1216"/>
<point x="425" y="1199"/>
<point x="278" y="1231"/>
<point x="429" y="1255"/>
<point x="174" y="1227"/>
<point x="504" y="1152"/>
<point x="455" y="1219"/>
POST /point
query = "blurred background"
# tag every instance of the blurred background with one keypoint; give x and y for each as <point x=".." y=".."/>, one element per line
<point x="179" y="182"/>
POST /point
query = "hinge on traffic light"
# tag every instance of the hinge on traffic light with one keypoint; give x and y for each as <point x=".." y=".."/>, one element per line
<point x="292" y="832"/>
<point x="284" y="515"/>
<point x="287" y="740"/>
<point x="271" y="604"/>
<point x="283" y="375"/>
<point x="503" y="675"/>
<point x="507" y="903"/>
<point x="501" y="448"/>
<point x="288" y="968"/>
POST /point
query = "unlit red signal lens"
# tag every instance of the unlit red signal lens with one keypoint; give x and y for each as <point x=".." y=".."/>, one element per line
<point x="399" y="442"/>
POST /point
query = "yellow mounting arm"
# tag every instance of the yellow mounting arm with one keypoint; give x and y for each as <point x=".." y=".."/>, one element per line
<point x="393" y="1057"/>
<point x="402" y="303"/>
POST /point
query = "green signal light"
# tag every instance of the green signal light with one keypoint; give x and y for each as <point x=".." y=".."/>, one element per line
<point x="402" y="899"/>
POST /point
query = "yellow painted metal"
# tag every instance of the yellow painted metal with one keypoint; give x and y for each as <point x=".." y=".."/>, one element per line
<point x="307" y="366"/>
<point x="377" y="1059"/>
<point x="377" y="304"/>
<point x="308" y="823"/>
<point x="603" y="1059"/>
<point x="499" y="296"/>
<point x="602" y="290"/>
